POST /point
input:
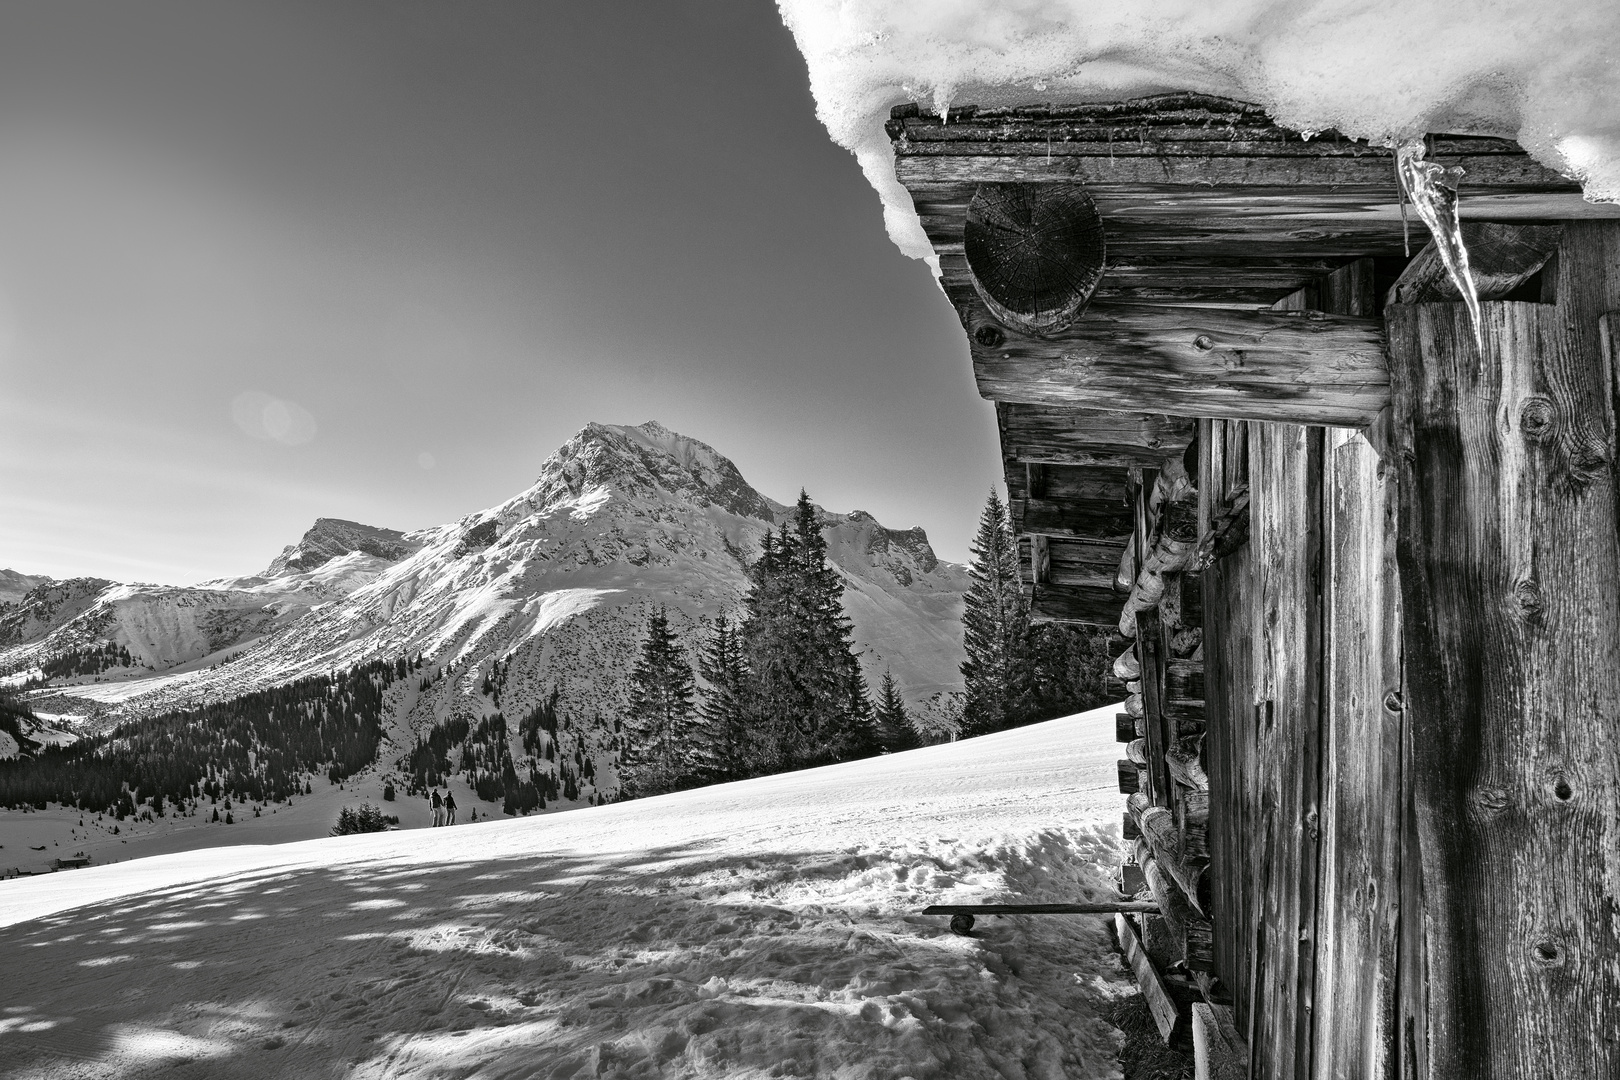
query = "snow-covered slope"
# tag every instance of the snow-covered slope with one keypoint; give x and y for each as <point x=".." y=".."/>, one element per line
<point x="556" y="582"/>
<point x="765" y="928"/>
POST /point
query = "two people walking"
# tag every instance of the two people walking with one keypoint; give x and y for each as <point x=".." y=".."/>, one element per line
<point x="444" y="809"/>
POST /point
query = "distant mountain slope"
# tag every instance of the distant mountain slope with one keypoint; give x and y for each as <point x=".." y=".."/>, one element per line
<point x="555" y="582"/>
<point x="14" y="586"/>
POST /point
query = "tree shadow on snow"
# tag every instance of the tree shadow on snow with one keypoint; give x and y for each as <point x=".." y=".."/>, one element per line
<point x="670" y="963"/>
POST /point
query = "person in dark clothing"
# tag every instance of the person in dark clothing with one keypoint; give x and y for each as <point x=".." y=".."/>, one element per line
<point x="438" y="808"/>
<point x="449" y="807"/>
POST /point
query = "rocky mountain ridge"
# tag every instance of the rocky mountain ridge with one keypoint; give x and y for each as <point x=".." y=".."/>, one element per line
<point x="555" y="583"/>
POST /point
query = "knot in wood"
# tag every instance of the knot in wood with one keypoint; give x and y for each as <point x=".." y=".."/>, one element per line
<point x="1203" y="343"/>
<point x="1528" y="595"/>
<point x="1548" y="953"/>
<point x="989" y="336"/>
<point x="1588" y="459"/>
<point x="1491" y="801"/>
<point x="1394" y="702"/>
<point x="1538" y="418"/>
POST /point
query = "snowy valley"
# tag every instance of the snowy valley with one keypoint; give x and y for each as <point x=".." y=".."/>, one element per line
<point x="762" y="928"/>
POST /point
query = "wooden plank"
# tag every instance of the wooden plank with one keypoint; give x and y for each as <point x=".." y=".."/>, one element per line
<point x="1151" y="652"/>
<point x="1065" y="435"/>
<point x="1075" y="517"/>
<point x="1510" y="564"/>
<point x="1286" y="477"/>
<point x="1359" y="903"/>
<point x="1229" y="755"/>
<point x="1297" y="366"/>
<point x="1166" y="1015"/>
<point x="1219" y="1052"/>
<point x="1081" y="604"/>
<point x="1129" y="777"/>
<point x="1084" y="551"/>
<point x="1124" y="727"/>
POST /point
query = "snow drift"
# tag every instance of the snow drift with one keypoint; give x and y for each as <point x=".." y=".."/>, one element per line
<point x="1537" y="71"/>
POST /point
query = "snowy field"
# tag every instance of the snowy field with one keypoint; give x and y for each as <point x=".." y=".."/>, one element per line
<point x="765" y="928"/>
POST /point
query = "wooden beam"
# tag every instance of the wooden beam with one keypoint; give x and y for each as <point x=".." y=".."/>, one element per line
<point x="1187" y="926"/>
<point x="1219" y="1052"/>
<point x="1166" y="1014"/>
<point x="1157" y="826"/>
<point x="1510" y="565"/>
<point x="1034" y="252"/>
<point x="1061" y="435"/>
<point x="1302" y="367"/>
<point x="1500" y="259"/>
<point x="1075" y="517"/>
<point x="1088" y="605"/>
<point x="1124" y="727"/>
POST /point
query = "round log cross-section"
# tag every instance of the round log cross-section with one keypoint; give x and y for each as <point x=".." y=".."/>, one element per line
<point x="1035" y="253"/>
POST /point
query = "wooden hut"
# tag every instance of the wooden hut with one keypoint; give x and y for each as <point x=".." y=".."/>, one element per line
<point x="1367" y="559"/>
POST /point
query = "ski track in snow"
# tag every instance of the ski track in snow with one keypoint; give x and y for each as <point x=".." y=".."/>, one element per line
<point x="764" y="928"/>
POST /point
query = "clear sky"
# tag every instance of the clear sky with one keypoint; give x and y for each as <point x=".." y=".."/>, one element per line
<point x="265" y="262"/>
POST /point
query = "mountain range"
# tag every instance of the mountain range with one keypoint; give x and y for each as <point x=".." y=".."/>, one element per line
<point x="555" y="584"/>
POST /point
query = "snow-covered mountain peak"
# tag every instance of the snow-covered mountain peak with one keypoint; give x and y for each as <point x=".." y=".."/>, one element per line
<point x="639" y="462"/>
<point x="330" y="538"/>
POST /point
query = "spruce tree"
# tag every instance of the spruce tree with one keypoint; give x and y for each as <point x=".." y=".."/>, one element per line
<point x="995" y="622"/>
<point x="807" y="698"/>
<point x="657" y="754"/>
<point x="893" y="724"/>
<point x="721" y="739"/>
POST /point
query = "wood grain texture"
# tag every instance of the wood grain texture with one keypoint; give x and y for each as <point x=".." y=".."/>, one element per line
<point x="1303" y="367"/>
<point x="1500" y="259"/>
<point x="1218" y="1050"/>
<point x="1034" y="251"/>
<point x="1359" y="904"/>
<point x="1065" y="435"/>
<point x="1189" y="928"/>
<point x="1285" y="482"/>
<point x="1151" y="652"/>
<point x="1229" y="754"/>
<point x="1510" y="566"/>
<point x="1190" y="873"/>
<point x="1086" y="605"/>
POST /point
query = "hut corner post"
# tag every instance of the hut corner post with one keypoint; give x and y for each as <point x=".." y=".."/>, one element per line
<point x="1510" y="578"/>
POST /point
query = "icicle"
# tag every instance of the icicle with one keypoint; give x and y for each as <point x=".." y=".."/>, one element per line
<point x="1433" y="192"/>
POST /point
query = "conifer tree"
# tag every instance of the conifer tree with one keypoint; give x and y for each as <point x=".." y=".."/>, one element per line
<point x="807" y="699"/>
<point x="995" y="622"/>
<point x="894" y="730"/>
<point x="721" y="741"/>
<point x="657" y="754"/>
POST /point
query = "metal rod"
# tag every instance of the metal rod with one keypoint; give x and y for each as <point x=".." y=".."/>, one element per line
<point x="1041" y="909"/>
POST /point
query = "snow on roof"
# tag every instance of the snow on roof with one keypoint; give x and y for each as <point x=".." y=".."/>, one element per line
<point x="1539" y="71"/>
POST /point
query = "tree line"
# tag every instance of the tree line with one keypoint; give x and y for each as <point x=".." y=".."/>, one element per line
<point x="782" y="686"/>
<point x="260" y="747"/>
